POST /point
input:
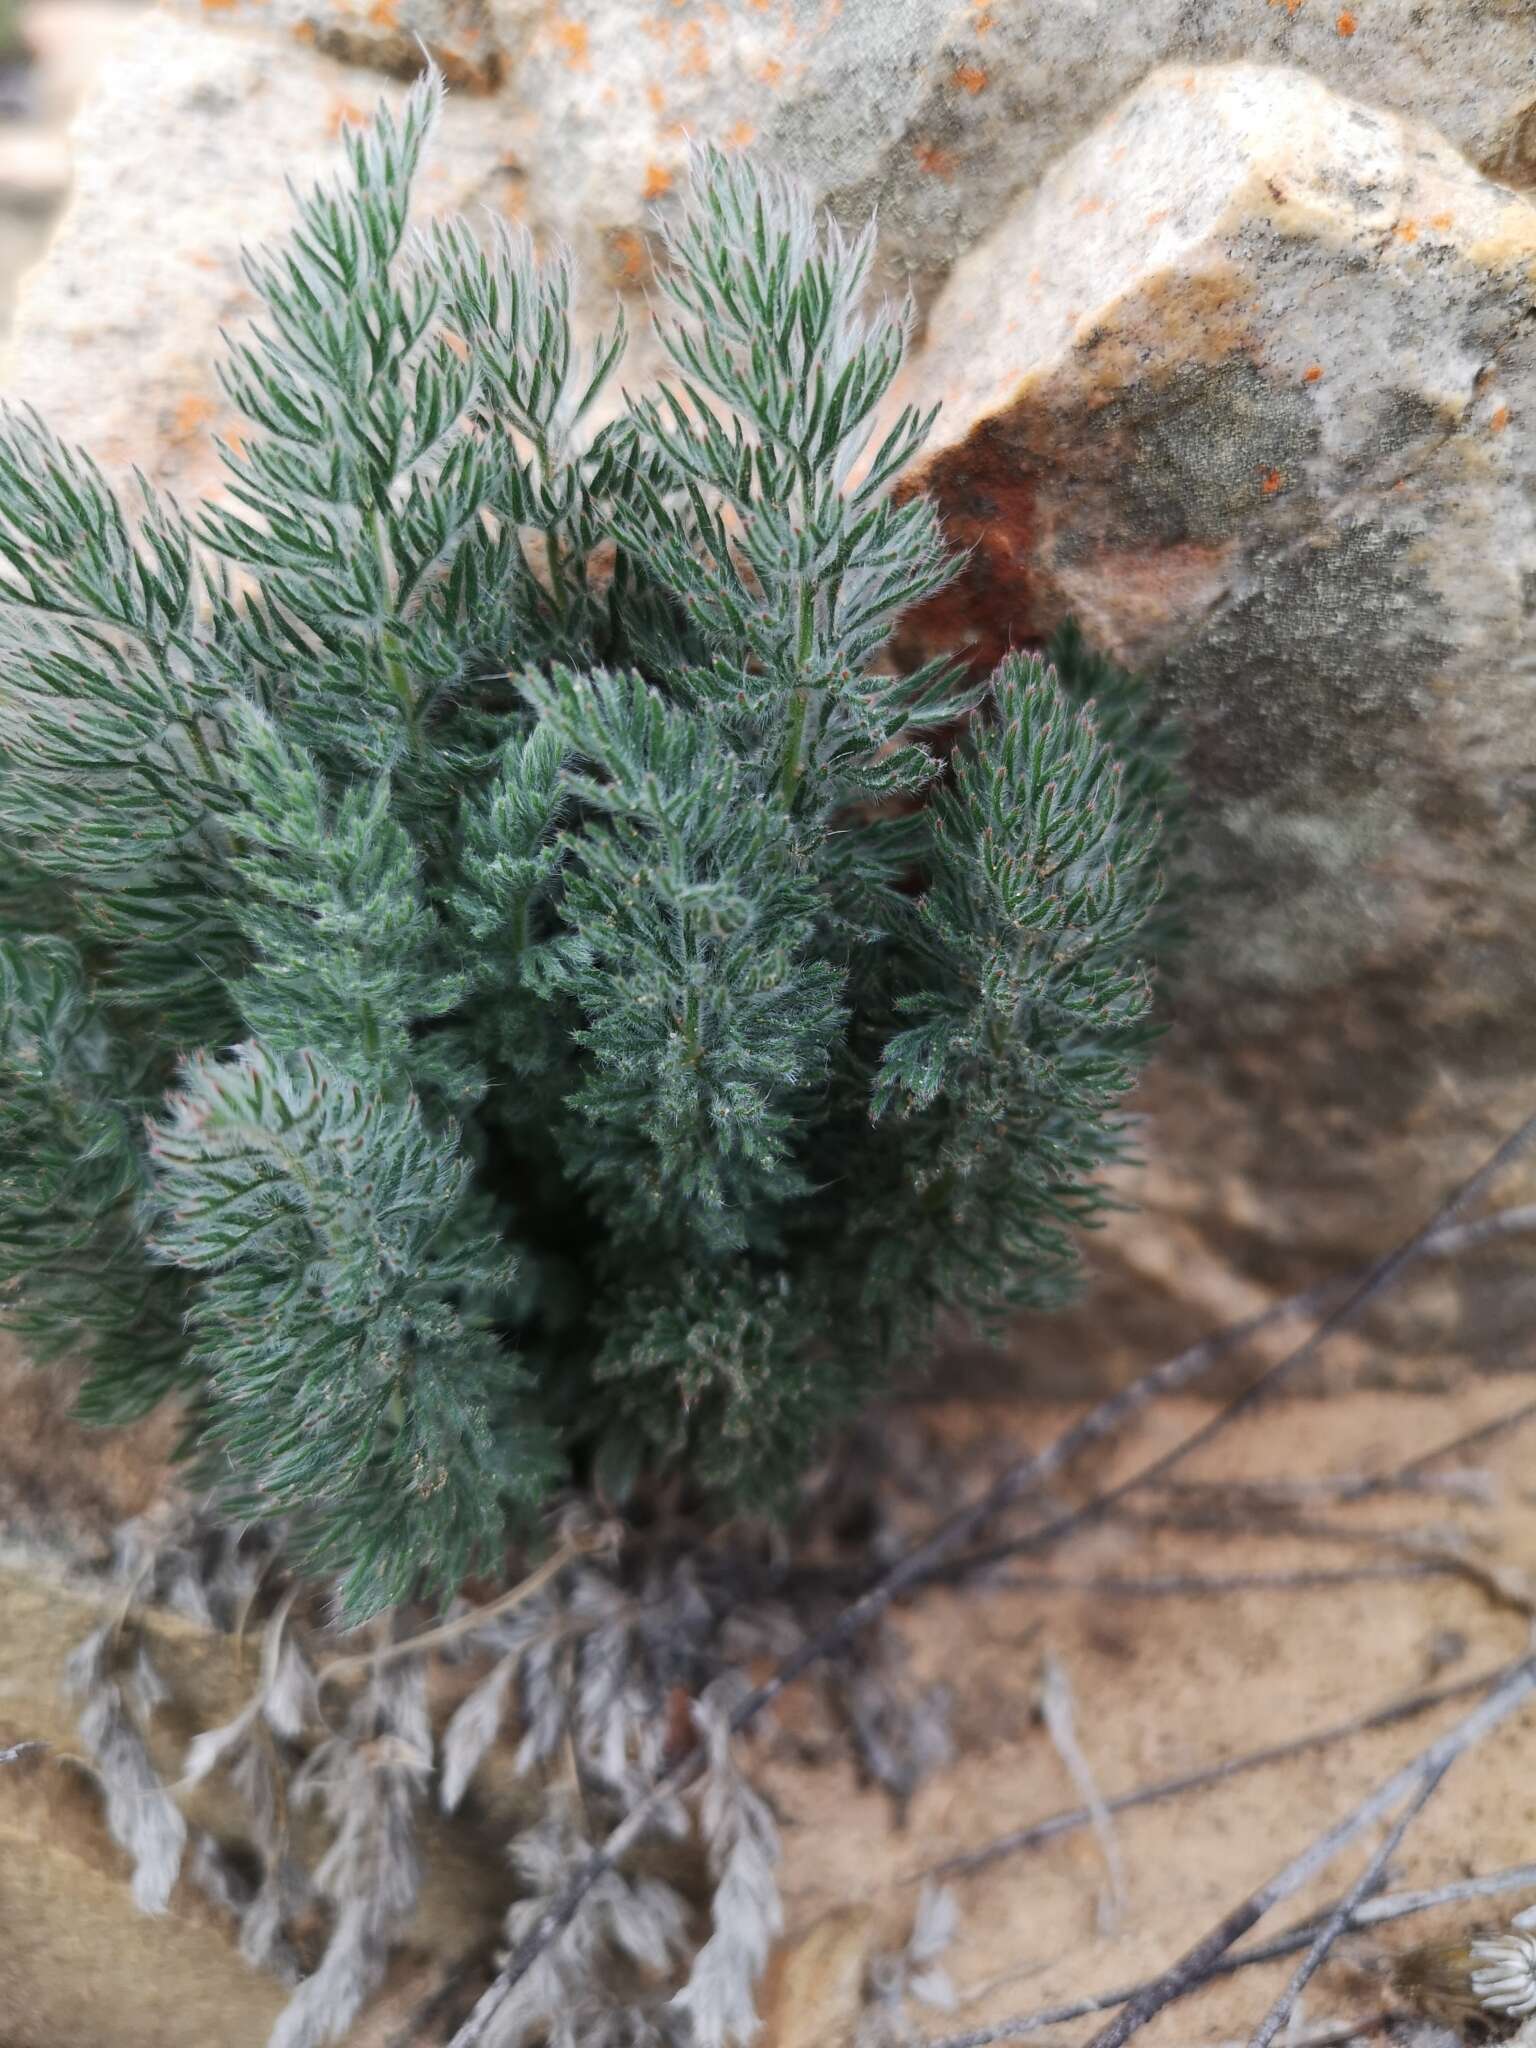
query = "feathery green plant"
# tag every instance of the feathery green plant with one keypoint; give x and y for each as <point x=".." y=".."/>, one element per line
<point x="599" y="1021"/>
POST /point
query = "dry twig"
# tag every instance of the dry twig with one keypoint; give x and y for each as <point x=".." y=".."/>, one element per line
<point x="1182" y="1976"/>
<point x="926" y="1559"/>
<point x="1380" y="1912"/>
<point x="1210" y="1585"/>
<point x="1369" y="1880"/>
<point x="1076" y="1817"/>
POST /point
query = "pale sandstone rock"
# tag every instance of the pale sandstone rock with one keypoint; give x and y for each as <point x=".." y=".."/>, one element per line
<point x="942" y="111"/>
<point x="1337" y="563"/>
<point x="1249" y="386"/>
<point x="181" y="152"/>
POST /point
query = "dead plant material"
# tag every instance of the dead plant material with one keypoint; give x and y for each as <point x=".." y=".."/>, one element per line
<point x="1370" y="1880"/>
<point x="1041" y="1831"/>
<point x="931" y="1557"/>
<point x="1184" y="1975"/>
<point x="1060" y="1718"/>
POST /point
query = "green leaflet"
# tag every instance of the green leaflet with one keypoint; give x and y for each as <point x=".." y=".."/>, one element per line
<point x="641" y="1029"/>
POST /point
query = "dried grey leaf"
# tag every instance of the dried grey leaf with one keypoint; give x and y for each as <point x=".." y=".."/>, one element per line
<point x="207" y="1751"/>
<point x="289" y="1698"/>
<point x="741" y="1838"/>
<point x="544" y="1700"/>
<point x="933" y="1924"/>
<point x="141" y="1816"/>
<point x="368" y="1779"/>
<point x="933" y="1987"/>
<point x="473" y="1730"/>
<point x="327" y="2002"/>
<point x="146" y="1687"/>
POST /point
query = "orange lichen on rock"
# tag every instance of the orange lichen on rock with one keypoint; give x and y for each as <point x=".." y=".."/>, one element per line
<point x="573" y="40"/>
<point x="343" y="113"/>
<point x="1346" y="24"/>
<point x="740" y="135"/>
<point x="938" y="163"/>
<point x="1313" y="375"/>
<point x="629" y="260"/>
<point x="384" y="14"/>
<point x="770" y="72"/>
<point x="1272" y="481"/>
<point x="1407" y="230"/>
<point x="970" y="78"/>
<point x="194" y="411"/>
<point x="1498" y="420"/>
<point x="303" y="31"/>
<point x="658" y="180"/>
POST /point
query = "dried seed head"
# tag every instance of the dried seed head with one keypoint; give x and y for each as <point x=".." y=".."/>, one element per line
<point x="1504" y="1973"/>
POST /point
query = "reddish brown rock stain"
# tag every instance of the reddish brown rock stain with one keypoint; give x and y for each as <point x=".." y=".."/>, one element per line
<point x="990" y="508"/>
<point x="938" y="163"/>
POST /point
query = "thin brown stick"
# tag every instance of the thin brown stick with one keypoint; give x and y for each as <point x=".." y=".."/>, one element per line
<point x="1069" y="1822"/>
<point x="1182" y="1976"/>
<point x="1471" y="1439"/>
<point x="1369" y="1881"/>
<point x="1380" y="1277"/>
<point x="1211" y="1585"/>
<point x="1333" y="2033"/>
<point x="461" y="1624"/>
<point x="953" y="1535"/>
<point x="1519" y="1877"/>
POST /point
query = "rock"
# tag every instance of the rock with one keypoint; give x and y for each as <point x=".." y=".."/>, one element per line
<point x="387" y="35"/>
<point x="121" y="354"/>
<point x="1243" y="378"/>
<point x="1249" y="385"/>
<point x="942" y="111"/>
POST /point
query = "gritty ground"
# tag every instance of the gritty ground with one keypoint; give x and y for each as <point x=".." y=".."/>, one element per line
<point x="1163" y="1683"/>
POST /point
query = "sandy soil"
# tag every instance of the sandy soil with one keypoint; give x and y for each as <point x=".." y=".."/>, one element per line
<point x="1162" y="1684"/>
<point x="1165" y="1685"/>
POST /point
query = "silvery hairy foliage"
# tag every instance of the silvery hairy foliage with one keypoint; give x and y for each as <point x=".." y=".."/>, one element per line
<point x="501" y="975"/>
